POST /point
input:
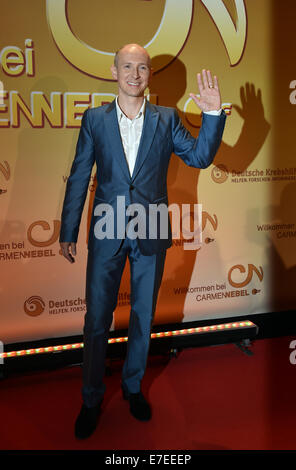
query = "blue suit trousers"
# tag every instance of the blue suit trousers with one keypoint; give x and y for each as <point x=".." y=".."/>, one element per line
<point x="102" y="285"/>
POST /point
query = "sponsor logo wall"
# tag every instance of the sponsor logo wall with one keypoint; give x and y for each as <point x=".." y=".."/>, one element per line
<point x="55" y="63"/>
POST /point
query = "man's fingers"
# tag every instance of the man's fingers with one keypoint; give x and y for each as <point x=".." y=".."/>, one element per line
<point x="65" y="246"/>
<point x="209" y="79"/>
<point x="205" y="78"/>
<point x="73" y="248"/>
<point x="199" y="82"/>
<point x="216" y="83"/>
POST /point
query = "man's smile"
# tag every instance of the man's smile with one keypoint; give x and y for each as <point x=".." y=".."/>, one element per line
<point x="133" y="84"/>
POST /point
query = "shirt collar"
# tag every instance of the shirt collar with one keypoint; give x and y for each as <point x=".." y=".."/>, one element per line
<point x="120" y="114"/>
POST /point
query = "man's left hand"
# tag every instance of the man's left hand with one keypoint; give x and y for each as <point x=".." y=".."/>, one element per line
<point x="210" y="98"/>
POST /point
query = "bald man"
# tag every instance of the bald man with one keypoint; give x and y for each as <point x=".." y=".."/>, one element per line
<point x="131" y="142"/>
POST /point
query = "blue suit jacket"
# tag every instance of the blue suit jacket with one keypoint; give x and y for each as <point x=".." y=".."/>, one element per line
<point x="100" y="142"/>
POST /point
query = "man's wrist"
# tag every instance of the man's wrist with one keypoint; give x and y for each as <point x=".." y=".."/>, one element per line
<point x="214" y="112"/>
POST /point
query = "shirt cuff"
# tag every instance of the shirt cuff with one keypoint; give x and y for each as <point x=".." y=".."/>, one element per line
<point x="215" y="112"/>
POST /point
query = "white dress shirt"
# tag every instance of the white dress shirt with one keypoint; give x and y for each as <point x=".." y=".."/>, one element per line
<point x="131" y="131"/>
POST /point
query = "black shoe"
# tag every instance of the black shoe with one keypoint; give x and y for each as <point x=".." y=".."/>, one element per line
<point x="86" y="421"/>
<point x="139" y="407"/>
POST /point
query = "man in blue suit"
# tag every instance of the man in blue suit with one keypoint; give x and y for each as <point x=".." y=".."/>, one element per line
<point x="131" y="142"/>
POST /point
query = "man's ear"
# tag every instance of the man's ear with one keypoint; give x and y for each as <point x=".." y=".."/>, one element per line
<point x="114" y="71"/>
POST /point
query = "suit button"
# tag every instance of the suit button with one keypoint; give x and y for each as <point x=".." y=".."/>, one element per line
<point x="132" y="187"/>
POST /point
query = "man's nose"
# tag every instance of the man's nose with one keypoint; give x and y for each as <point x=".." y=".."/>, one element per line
<point x="135" y="72"/>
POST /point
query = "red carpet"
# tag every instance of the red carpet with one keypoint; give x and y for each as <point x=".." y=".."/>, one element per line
<point x="210" y="398"/>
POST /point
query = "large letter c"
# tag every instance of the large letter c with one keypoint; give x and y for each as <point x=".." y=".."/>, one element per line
<point x="168" y="39"/>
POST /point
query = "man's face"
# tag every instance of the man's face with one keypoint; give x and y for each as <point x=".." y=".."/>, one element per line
<point x="132" y="72"/>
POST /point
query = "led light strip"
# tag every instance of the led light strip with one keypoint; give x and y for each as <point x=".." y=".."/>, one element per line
<point x="123" y="339"/>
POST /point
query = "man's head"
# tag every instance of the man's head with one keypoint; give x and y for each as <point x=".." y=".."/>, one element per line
<point x="132" y="70"/>
<point x="131" y="48"/>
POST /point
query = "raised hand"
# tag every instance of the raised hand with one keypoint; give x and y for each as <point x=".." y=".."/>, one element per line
<point x="210" y="98"/>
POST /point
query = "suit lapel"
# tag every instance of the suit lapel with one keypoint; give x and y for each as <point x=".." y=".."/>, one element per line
<point x="149" y="128"/>
<point x="114" y="137"/>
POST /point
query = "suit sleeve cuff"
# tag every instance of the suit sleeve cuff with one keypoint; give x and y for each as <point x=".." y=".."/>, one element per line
<point x="215" y="112"/>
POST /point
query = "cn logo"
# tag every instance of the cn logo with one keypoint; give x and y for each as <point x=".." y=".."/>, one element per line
<point x="249" y="276"/>
<point x="169" y="39"/>
<point x="206" y="217"/>
<point x="45" y="226"/>
<point x="213" y="221"/>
